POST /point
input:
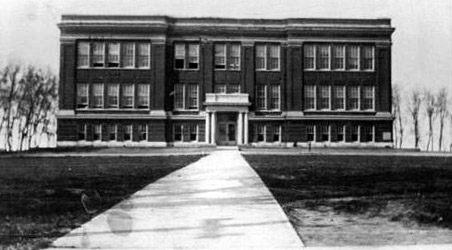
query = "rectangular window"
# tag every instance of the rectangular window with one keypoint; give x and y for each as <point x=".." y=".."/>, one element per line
<point x="179" y="96"/>
<point x="340" y="133"/>
<point x="129" y="55"/>
<point x="193" y="96"/>
<point x="220" y="56"/>
<point x="179" y="55"/>
<point x="309" y="57"/>
<point x="368" y="58"/>
<point x="113" y="55"/>
<point x="98" y="95"/>
<point x="193" y="56"/>
<point x="220" y="88"/>
<point x="310" y="97"/>
<point x="144" y="55"/>
<point x="310" y="133"/>
<point x="324" y="54"/>
<point x="234" y="56"/>
<point x="143" y="96"/>
<point x="142" y="132"/>
<point x="354" y="97"/>
<point x="233" y="88"/>
<point x="338" y="57"/>
<point x="113" y="95"/>
<point x="83" y="54"/>
<point x="261" y="51"/>
<point x="273" y="57"/>
<point x="98" y="54"/>
<point x="276" y="133"/>
<point x="112" y="132"/>
<point x="261" y="97"/>
<point x="274" y="97"/>
<point x="325" y="130"/>
<point x="127" y="96"/>
<point x="369" y="133"/>
<point x="97" y="135"/>
<point x="128" y="130"/>
<point x="355" y="133"/>
<point x="369" y="97"/>
<point x="261" y="134"/>
<point x="178" y="135"/>
<point x="353" y="57"/>
<point x="82" y="95"/>
<point x="339" y="97"/>
<point x="193" y="132"/>
<point x="325" y="97"/>
<point x="81" y="132"/>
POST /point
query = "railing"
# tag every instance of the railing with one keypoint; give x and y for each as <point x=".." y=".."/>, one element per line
<point x="213" y="98"/>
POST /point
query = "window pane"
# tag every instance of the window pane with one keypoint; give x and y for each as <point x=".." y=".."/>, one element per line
<point x="273" y="58"/>
<point x="112" y="132"/>
<point x="97" y="135"/>
<point x="127" y="96"/>
<point x="193" y="56"/>
<point x="310" y="132"/>
<point x="81" y="132"/>
<point x="83" y="54"/>
<point x="82" y="95"/>
<point x="179" y="55"/>
<point x="233" y="88"/>
<point x="310" y="97"/>
<point x="340" y="133"/>
<point x="98" y="95"/>
<point x="179" y="96"/>
<point x="369" y="98"/>
<point x="143" y="95"/>
<point x="368" y="60"/>
<point x="193" y="96"/>
<point x="128" y="132"/>
<point x="324" y="60"/>
<point x="353" y="57"/>
<point x="338" y="56"/>
<point x="274" y="97"/>
<point x="220" y="88"/>
<point x="260" y="97"/>
<point x="144" y="55"/>
<point x="354" y="97"/>
<point x="309" y="57"/>
<point x="324" y="97"/>
<point x="98" y="54"/>
<point x="129" y="55"/>
<point x="178" y="132"/>
<point x="234" y="59"/>
<point x="325" y="130"/>
<point x="113" y="55"/>
<point x="260" y="133"/>
<point x="113" y="95"/>
<point x="220" y="56"/>
<point x="260" y="56"/>
<point x="355" y="133"/>
<point x="339" y="96"/>
<point x="193" y="132"/>
<point x="142" y="132"/>
<point x="276" y="133"/>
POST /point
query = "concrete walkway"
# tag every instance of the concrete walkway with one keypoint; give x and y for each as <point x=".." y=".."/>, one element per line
<point x="218" y="202"/>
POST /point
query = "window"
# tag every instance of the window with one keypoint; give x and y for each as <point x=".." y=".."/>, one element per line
<point x="112" y="132"/>
<point x="324" y="60"/>
<point x="369" y="133"/>
<point x="178" y="136"/>
<point x="267" y="57"/>
<point x="276" y="133"/>
<point x="220" y="56"/>
<point x="142" y="132"/>
<point x="98" y="54"/>
<point x="234" y="57"/>
<point x="144" y="55"/>
<point x="227" y="88"/>
<point x="220" y="88"/>
<point x="82" y="95"/>
<point x="274" y="97"/>
<point x="81" y="132"/>
<point x="369" y="97"/>
<point x="325" y="130"/>
<point x="98" y="95"/>
<point x="193" y="96"/>
<point x="261" y="97"/>
<point x="227" y="56"/>
<point x="83" y="54"/>
<point x="309" y="57"/>
<point x="129" y="55"/>
<point x="340" y="133"/>
<point x="325" y="97"/>
<point x="310" y="132"/>
<point x="180" y="55"/>
<point x="143" y="95"/>
<point x="353" y="57"/>
<point x="355" y="133"/>
<point x="113" y="55"/>
<point x="193" y="132"/>
<point x="261" y="133"/>
<point x="113" y="95"/>
<point x="339" y="97"/>
<point x="338" y="57"/>
<point x="179" y="96"/>
<point x="354" y="97"/>
<point x="127" y="96"/>
<point x="97" y="135"/>
<point x="128" y="130"/>
<point x="368" y="58"/>
<point x="310" y="97"/>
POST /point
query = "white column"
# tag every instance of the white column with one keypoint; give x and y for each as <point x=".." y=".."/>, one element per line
<point x="240" y="128"/>
<point x="214" y="127"/>
<point x="207" y="130"/>
<point x="245" y="120"/>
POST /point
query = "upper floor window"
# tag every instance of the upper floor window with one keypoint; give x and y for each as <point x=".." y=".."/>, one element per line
<point x="338" y="57"/>
<point x="98" y="95"/>
<point x="184" y="60"/>
<point x="324" y="54"/>
<point x="353" y="57"/>
<point x="192" y="96"/>
<point x="83" y="54"/>
<point x="369" y="97"/>
<point x="82" y="95"/>
<point x="143" y="95"/>
<point x="309" y="56"/>
<point x="144" y="55"/>
<point x="261" y="97"/>
<point x="267" y="57"/>
<point x="113" y="95"/>
<point x="227" y="88"/>
<point x="113" y="55"/>
<point x="274" y="97"/>
<point x="339" y="97"/>
<point x="227" y="56"/>
<point x="98" y="54"/>
<point x="353" y="99"/>
<point x="183" y="100"/>
<point x="310" y="97"/>
<point x="129" y="55"/>
<point x="325" y="97"/>
<point x="127" y="96"/>
<point x="368" y="58"/>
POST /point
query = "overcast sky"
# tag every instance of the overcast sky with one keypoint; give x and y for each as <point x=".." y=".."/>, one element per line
<point x="422" y="42"/>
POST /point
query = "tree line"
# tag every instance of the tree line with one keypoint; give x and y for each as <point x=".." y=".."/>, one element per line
<point x="28" y="102"/>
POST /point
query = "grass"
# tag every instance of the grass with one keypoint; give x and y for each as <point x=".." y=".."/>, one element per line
<point x="362" y="200"/>
<point x="40" y="198"/>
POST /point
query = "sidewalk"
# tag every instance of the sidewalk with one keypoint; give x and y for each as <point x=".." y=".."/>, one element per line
<point x="218" y="202"/>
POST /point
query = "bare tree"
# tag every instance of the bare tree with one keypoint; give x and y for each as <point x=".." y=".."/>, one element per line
<point x="414" y="108"/>
<point x="10" y="82"/>
<point x="442" y="111"/>
<point x="397" y="113"/>
<point x="430" y="109"/>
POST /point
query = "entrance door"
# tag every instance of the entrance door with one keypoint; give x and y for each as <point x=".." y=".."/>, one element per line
<point x="227" y="132"/>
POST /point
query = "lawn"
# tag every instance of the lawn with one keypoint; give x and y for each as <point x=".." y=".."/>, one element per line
<point x="40" y="198"/>
<point x="362" y="200"/>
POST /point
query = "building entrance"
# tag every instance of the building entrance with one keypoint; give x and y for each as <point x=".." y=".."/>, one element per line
<point x="227" y="132"/>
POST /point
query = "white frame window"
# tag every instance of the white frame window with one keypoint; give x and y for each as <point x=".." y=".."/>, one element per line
<point x="178" y="132"/>
<point x="220" y="88"/>
<point x="82" y="96"/>
<point x="83" y="54"/>
<point x="355" y="131"/>
<point x="310" y="131"/>
<point x="143" y="132"/>
<point x="193" y="96"/>
<point x="268" y="57"/>
<point x="112" y="132"/>
<point x="277" y="133"/>
<point x="144" y="55"/>
<point x="113" y="95"/>
<point x="143" y="96"/>
<point x="227" y="88"/>
<point x="261" y="58"/>
<point x="193" y="131"/>
<point x="227" y="56"/>
<point x="339" y="97"/>
<point x="179" y="96"/>
<point x="128" y="132"/>
<point x="340" y="131"/>
<point x="98" y="54"/>
<point x="324" y="57"/>
<point x="98" y="95"/>
<point x="261" y="97"/>
<point x="81" y="132"/>
<point x="325" y="133"/>
<point x="354" y="98"/>
<point x="186" y="56"/>
<point x="338" y="57"/>
<point x="275" y="97"/>
<point x="309" y="56"/>
<point x="368" y="58"/>
<point x="261" y="132"/>
<point x="368" y="98"/>
<point x="113" y="56"/>
<point x="193" y="56"/>
<point x="369" y="131"/>
<point x="127" y="96"/>
<point x="220" y="56"/>
<point x="310" y="97"/>
<point x="233" y="58"/>
<point x="353" y="57"/>
<point x="325" y="97"/>
<point x="179" y="55"/>
<point x="129" y="55"/>
<point x="97" y="132"/>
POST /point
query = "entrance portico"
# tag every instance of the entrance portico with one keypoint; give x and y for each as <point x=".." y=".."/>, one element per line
<point x="227" y="119"/>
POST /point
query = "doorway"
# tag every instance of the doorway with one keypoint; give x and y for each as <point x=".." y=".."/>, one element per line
<point x="227" y="132"/>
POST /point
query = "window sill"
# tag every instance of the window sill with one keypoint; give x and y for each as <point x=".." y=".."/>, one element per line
<point x="117" y="68"/>
<point x="268" y="70"/>
<point x="187" y="69"/>
<point x="227" y="70"/>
